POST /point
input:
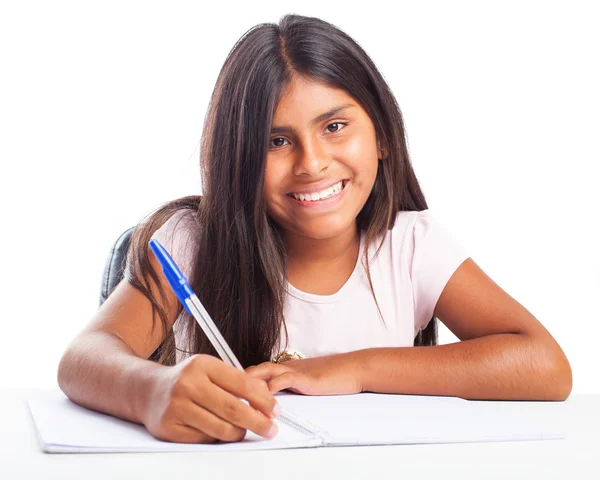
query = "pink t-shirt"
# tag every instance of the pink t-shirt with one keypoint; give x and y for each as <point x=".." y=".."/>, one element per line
<point x="418" y="257"/>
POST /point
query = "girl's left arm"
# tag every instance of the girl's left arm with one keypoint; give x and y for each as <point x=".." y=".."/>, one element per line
<point x="505" y="353"/>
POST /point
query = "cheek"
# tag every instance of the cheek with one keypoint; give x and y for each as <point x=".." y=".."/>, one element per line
<point x="271" y="179"/>
<point x="362" y="157"/>
<point x="365" y="170"/>
<point x="357" y="146"/>
<point x="273" y="184"/>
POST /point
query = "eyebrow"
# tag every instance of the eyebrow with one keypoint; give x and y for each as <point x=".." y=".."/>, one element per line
<point x="320" y="118"/>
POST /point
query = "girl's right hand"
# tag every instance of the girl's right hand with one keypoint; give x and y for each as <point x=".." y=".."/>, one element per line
<point x="198" y="401"/>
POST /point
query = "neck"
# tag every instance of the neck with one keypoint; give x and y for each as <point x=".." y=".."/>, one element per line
<point x="304" y="251"/>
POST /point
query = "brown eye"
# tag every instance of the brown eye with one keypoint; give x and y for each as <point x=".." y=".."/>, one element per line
<point x="275" y="139"/>
<point x="337" y="129"/>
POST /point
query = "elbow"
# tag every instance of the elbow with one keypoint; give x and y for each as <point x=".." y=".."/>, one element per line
<point x="564" y="376"/>
<point x="64" y="370"/>
<point x="559" y="376"/>
<point x="61" y="371"/>
<point x="551" y="377"/>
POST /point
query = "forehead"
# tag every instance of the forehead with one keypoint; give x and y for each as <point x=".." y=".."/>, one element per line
<point x="306" y="98"/>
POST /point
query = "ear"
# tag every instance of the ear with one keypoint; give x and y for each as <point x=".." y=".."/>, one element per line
<point x="381" y="152"/>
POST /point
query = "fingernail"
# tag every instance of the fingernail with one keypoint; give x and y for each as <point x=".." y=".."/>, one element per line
<point x="272" y="431"/>
<point x="276" y="410"/>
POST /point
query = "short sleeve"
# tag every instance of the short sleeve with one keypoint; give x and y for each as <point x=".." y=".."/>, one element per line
<point x="436" y="256"/>
<point x="176" y="237"/>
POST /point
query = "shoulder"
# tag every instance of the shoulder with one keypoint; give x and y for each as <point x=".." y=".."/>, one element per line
<point x="181" y="222"/>
<point x="409" y="220"/>
<point x="425" y="246"/>
<point x="400" y="237"/>
<point x="418" y="229"/>
<point x="397" y="240"/>
<point x="405" y="220"/>
<point x="177" y="235"/>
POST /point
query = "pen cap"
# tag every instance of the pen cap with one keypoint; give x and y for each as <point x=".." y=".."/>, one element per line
<point x="178" y="282"/>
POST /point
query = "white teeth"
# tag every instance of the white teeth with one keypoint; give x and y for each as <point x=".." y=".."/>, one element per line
<point x="328" y="192"/>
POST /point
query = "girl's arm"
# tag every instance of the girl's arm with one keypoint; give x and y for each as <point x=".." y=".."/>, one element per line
<point x="105" y="368"/>
<point x="505" y="354"/>
<point x="101" y="372"/>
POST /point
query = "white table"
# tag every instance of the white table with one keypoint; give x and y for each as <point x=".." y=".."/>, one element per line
<point x="577" y="456"/>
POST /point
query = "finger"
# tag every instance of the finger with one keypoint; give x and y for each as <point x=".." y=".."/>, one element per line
<point x="221" y="394"/>
<point x="234" y="411"/>
<point x="200" y="421"/>
<point x="266" y="371"/>
<point x="242" y="385"/>
<point x="294" y="381"/>
<point x="186" y="434"/>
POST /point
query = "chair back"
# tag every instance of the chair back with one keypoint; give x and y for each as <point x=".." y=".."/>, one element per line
<point x="115" y="264"/>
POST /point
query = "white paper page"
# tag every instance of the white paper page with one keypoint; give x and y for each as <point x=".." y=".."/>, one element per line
<point x="64" y="426"/>
<point x="380" y="419"/>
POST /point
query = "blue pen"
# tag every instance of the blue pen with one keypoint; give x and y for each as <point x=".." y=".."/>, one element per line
<point x="192" y="304"/>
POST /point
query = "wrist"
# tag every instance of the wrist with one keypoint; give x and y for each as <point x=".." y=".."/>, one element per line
<point x="357" y="362"/>
<point x="143" y="381"/>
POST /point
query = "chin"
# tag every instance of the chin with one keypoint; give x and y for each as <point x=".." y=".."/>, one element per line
<point x="325" y="229"/>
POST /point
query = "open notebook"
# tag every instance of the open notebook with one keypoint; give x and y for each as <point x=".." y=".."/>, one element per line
<point x="363" y="419"/>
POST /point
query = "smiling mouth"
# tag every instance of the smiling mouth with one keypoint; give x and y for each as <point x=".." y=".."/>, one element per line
<point x="322" y="195"/>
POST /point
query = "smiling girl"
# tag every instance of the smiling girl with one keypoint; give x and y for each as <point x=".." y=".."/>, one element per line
<point x="313" y="249"/>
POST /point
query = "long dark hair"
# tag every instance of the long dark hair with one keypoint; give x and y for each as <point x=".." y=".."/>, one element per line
<point x="239" y="267"/>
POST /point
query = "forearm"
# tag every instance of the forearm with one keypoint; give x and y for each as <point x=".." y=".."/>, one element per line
<point x="101" y="372"/>
<point x="494" y="367"/>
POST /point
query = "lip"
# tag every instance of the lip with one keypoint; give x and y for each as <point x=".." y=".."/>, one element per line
<point x="319" y="187"/>
<point x="323" y="204"/>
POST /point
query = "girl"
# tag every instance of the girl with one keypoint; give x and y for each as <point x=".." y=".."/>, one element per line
<point x="313" y="249"/>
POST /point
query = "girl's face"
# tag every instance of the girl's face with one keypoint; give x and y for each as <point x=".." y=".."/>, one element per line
<point x="321" y="166"/>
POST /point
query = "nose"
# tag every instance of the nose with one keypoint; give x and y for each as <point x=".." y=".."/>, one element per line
<point x="312" y="160"/>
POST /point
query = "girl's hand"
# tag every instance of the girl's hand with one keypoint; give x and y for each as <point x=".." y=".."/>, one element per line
<point x="330" y="375"/>
<point x="198" y="401"/>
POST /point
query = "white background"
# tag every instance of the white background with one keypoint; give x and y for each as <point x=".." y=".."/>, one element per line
<point x="101" y="110"/>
